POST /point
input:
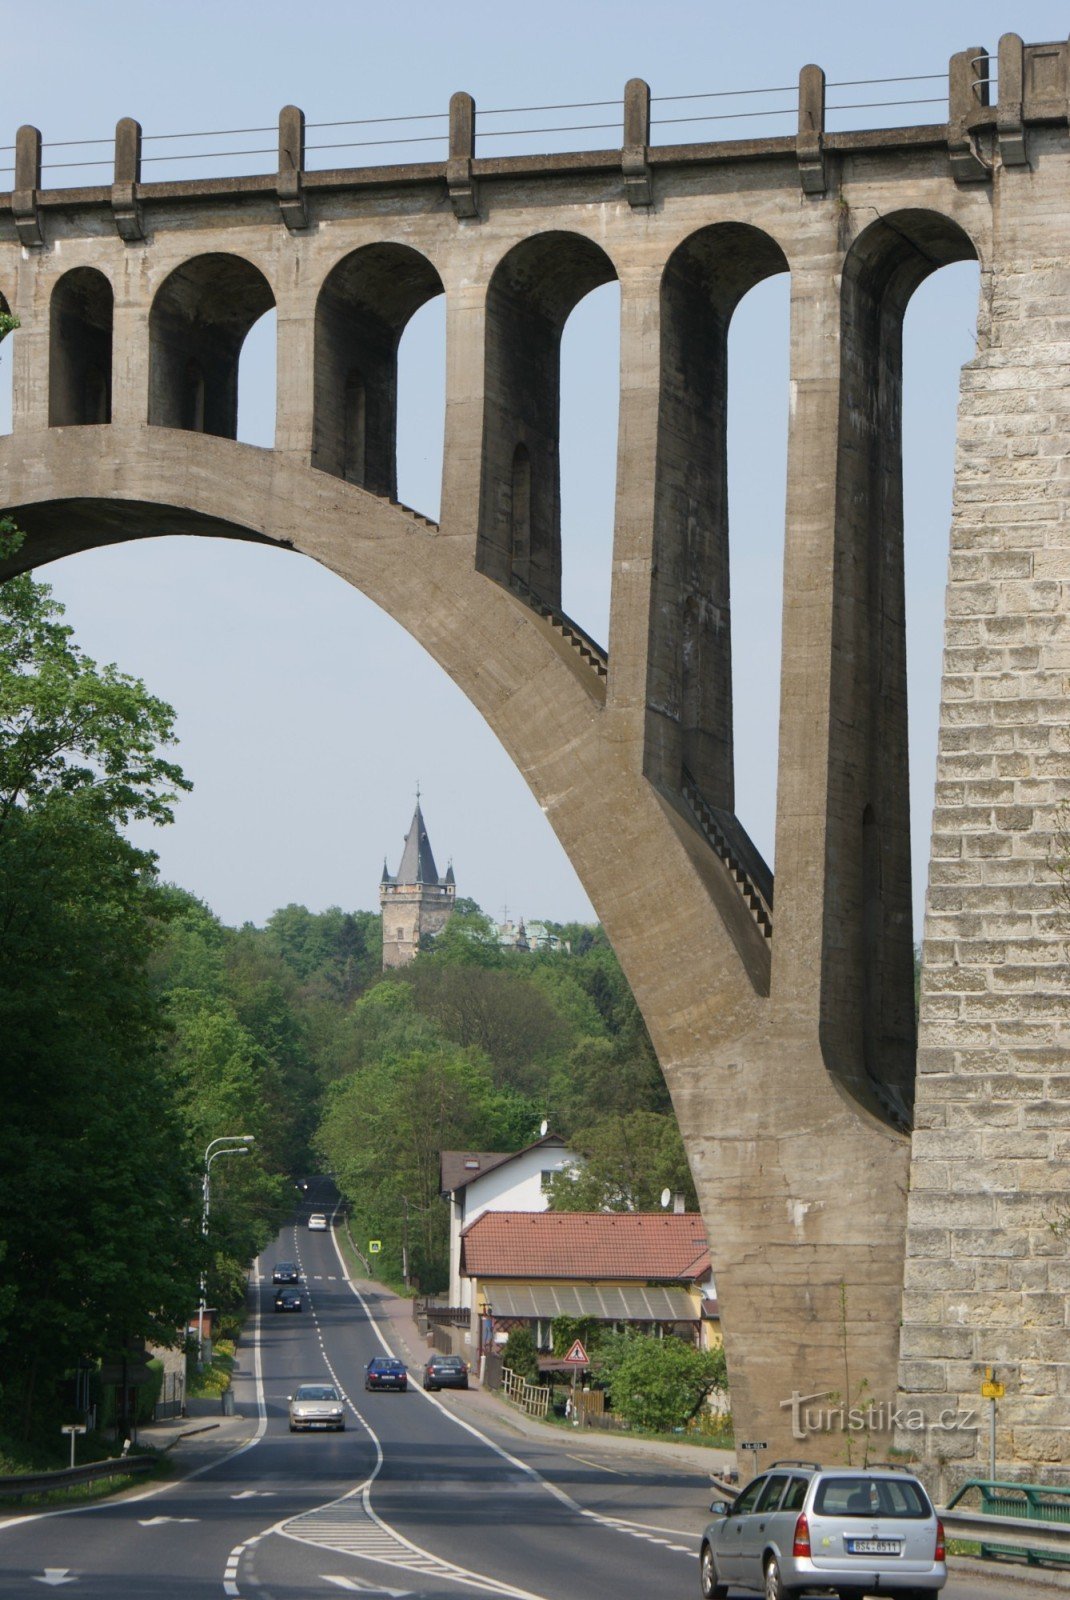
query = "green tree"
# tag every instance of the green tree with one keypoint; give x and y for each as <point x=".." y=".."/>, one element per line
<point x="630" y="1160"/>
<point x="659" y="1384"/>
<point x="384" y="1126"/>
<point x="97" y="1187"/>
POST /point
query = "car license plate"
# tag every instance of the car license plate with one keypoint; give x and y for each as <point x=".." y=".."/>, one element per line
<point x="873" y="1547"/>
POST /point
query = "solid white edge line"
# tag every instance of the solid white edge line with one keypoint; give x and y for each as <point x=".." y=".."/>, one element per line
<point x="150" y="1494"/>
<point x="522" y="1466"/>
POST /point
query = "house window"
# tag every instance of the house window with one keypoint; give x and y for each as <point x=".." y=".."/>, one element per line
<point x="546" y="1179"/>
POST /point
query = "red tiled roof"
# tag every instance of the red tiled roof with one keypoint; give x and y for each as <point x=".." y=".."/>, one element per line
<point x="651" y="1246"/>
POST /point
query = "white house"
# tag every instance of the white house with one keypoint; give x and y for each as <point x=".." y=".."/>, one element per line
<point x="475" y="1181"/>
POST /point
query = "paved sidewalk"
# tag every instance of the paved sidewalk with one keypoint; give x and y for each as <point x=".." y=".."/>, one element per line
<point x="202" y="1436"/>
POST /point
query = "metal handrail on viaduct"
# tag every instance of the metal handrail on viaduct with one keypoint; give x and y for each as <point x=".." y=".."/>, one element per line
<point x="790" y="1045"/>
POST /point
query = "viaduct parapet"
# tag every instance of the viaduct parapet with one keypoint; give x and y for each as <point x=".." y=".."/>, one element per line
<point x="786" y="1031"/>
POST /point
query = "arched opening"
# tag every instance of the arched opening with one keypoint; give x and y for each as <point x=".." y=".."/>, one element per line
<point x="80" y="349"/>
<point x="197" y="328"/>
<point x="532" y="293"/>
<point x="363" y="308"/>
<point x="257" y="385"/>
<point x="422" y="407"/>
<point x="868" y="1022"/>
<point x="6" y="387"/>
<point x="590" y="408"/>
<point x="759" y="349"/>
<point x="690" y="737"/>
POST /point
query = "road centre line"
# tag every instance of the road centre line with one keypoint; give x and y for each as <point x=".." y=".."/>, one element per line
<point x="620" y="1524"/>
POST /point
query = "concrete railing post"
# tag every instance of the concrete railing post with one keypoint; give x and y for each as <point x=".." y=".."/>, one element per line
<point x="291" y="167"/>
<point x="459" y="181"/>
<point x="968" y="87"/>
<point x="27" y="182"/>
<point x="127" y="175"/>
<point x="1010" y="122"/>
<point x="810" y="139"/>
<point x="634" y="164"/>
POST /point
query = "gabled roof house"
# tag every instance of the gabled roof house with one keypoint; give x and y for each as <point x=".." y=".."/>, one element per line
<point x="477" y="1181"/>
<point x="650" y="1269"/>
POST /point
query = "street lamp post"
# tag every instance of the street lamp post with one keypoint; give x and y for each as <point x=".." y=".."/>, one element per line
<point x="230" y="1144"/>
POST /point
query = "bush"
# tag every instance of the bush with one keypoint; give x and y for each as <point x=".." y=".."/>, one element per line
<point x="659" y="1384"/>
<point x="519" y="1354"/>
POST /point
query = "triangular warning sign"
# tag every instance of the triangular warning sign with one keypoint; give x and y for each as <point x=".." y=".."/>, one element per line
<point x="577" y="1354"/>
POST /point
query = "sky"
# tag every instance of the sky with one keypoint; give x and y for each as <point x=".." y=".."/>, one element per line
<point x="305" y="716"/>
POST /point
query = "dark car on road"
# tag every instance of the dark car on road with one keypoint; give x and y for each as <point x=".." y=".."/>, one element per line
<point x="285" y="1272"/>
<point x="445" y="1372"/>
<point x="385" y="1372"/>
<point x="290" y="1300"/>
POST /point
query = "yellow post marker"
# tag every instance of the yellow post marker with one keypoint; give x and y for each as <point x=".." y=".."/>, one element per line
<point x="992" y="1390"/>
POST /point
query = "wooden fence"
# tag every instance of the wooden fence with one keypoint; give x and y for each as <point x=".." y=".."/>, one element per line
<point x="534" y="1398"/>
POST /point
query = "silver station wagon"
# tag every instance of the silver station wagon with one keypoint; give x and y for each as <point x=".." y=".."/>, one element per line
<point x="805" y="1529"/>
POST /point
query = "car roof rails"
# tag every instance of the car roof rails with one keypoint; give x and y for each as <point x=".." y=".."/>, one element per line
<point x="890" y="1466"/>
<point x="813" y="1466"/>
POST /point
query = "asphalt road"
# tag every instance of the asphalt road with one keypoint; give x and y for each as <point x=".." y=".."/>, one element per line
<point x="414" y="1499"/>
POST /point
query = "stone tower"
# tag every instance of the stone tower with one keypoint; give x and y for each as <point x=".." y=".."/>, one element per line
<point x="417" y="901"/>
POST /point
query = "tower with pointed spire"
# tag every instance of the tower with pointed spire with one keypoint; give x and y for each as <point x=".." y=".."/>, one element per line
<point x="416" y="902"/>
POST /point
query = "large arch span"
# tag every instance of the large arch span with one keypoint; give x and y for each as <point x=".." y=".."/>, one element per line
<point x="761" y="1162"/>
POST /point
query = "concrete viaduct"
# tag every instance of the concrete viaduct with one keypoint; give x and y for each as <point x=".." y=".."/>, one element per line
<point x="854" y="1257"/>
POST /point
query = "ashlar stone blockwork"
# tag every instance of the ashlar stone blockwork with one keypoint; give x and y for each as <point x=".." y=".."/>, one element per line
<point x="988" y="1246"/>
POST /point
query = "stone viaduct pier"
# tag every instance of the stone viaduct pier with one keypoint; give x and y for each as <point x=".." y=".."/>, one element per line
<point x="854" y="1258"/>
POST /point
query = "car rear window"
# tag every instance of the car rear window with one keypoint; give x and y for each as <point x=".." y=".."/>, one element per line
<point x="871" y="1497"/>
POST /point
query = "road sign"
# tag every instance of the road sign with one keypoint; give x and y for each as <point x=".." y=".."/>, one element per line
<point x="374" y="1246"/>
<point x="73" y="1427"/>
<point x="754" y="1444"/>
<point x="993" y="1391"/>
<point x="577" y="1356"/>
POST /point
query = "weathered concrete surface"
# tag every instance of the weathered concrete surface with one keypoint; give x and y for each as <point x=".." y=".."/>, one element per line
<point x="788" y="1050"/>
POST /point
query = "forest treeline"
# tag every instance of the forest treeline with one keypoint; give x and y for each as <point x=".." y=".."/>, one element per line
<point x="135" y="1027"/>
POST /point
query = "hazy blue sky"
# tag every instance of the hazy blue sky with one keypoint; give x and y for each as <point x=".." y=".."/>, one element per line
<point x="305" y="715"/>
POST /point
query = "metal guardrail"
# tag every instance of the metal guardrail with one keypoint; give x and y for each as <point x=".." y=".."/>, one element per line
<point x="16" y="1488"/>
<point x="1014" y="1519"/>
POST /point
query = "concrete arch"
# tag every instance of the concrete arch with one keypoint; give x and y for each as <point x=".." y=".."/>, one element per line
<point x="868" y="1027"/>
<point x="689" y="687"/>
<point x="532" y="291"/>
<point x="362" y="310"/>
<point x="199" y="318"/>
<point x="81" y="319"/>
